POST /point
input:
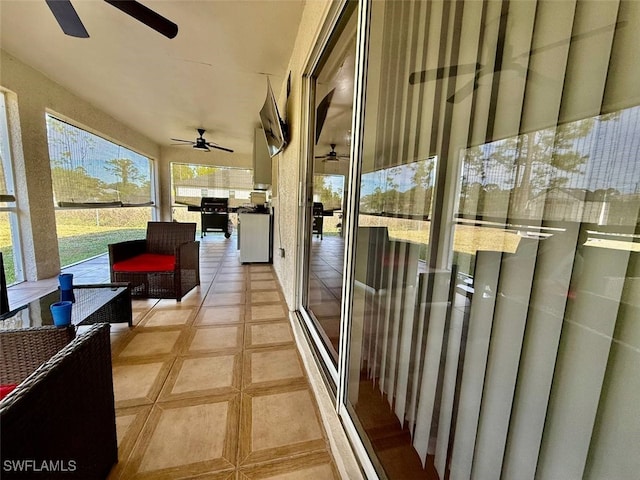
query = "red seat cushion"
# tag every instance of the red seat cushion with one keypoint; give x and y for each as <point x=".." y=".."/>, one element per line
<point x="7" y="389"/>
<point x="147" y="262"/>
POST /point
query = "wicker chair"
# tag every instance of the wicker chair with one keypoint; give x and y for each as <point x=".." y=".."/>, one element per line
<point x="61" y="417"/>
<point x="166" y="264"/>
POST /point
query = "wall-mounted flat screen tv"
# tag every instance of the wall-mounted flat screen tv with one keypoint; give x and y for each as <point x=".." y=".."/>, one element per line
<point x="321" y="113"/>
<point x="275" y="130"/>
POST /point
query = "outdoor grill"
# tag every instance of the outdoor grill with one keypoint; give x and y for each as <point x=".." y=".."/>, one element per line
<point x="214" y="215"/>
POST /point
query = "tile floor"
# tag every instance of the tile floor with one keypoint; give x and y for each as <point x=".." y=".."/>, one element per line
<point x="212" y="387"/>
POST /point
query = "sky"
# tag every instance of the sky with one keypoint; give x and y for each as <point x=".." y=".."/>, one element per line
<point x="403" y="178"/>
<point x="100" y="151"/>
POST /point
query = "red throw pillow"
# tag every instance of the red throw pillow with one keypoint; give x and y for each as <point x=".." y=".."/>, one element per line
<point x="146" y="262"/>
<point x="7" y="389"/>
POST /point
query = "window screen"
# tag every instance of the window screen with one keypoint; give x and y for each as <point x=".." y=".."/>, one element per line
<point x="89" y="171"/>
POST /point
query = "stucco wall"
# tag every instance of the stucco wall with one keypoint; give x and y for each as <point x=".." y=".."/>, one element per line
<point x="37" y="95"/>
<point x="287" y="165"/>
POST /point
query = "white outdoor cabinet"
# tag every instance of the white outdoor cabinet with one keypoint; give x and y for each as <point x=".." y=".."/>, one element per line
<point x="254" y="237"/>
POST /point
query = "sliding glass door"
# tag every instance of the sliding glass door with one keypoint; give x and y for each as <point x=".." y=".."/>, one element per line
<point x="494" y="326"/>
<point x="327" y="180"/>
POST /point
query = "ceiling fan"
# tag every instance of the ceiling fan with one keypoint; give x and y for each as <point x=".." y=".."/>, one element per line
<point x="71" y="24"/>
<point x="332" y="156"/>
<point x="201" y="143"/>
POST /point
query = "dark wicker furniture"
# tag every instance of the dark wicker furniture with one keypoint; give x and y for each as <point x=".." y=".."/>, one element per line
<point x="62" y="416"/>
<point x="163" y="239"/>
<point x="23" y="351"/>
<point x="101" y="303"/>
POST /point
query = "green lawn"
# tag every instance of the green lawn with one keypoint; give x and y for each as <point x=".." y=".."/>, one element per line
<point x="7" y="259"/>
<point x="79" y="247"/>
<point x="75" y="246"/>
<point x="83" y="234"/>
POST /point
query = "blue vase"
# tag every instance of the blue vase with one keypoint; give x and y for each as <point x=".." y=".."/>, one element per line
<point x="67" y="296"/>
<point x="61" y="313"/>
<point x="66" y="281"/>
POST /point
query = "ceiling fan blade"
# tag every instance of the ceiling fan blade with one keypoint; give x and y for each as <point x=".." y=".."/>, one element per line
<point x="438" y="73"/>
<point x="539" y="78"/>
<point x="67" y="18"/>
<point x="213" y="145"/>
<point x="147" y="16"/>
<point x="180" y="140"/>
<point x="573" y="38"/>
<point x="464" y="91"/>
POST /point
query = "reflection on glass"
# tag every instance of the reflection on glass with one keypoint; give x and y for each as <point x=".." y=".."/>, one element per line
<point x="500" y="339"/>
<point x="391" y="273"/>
<point x="401" y="190"/>
<point x="328" y="199"/>
<point x="328" y="178"/>
<point x="327" y="255"/>
<point x="583" y="171"/>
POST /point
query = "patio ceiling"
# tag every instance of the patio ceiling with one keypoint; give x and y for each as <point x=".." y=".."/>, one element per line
<point x="212" y="75"/>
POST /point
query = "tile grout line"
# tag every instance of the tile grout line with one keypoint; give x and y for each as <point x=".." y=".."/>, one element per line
<point x="293" y="458"/>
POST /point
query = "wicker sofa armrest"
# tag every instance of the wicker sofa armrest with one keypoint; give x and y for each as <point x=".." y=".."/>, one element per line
<point x="23" y="351"/>
<point x="123" y="250"/>
<point x="63" y="415"/>
<point x="162" y="237"/>
<point x="188" y="255"/>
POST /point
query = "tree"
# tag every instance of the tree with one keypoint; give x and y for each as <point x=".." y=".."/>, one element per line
<point x="180" y="171"/>
<point x="526" y="165"/>
<point x="330" y="198"/>
<point x="544" y="158"/>
<point x="423" y="173"/>
<point x="204" y="170"/>
<point x="125" y="170"/>
<point x="75" y="185"/>
<point x="128" y="173"/>
<point x="69" y="150"/>
<point x="374" y="202"/>
<point x="69" y="147"/>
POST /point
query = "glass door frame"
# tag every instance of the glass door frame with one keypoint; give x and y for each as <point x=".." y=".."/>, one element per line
<point x="335" y="15"/>
<point x="447" y="191"/>
<point x="335" y="378"/>
<point x="350" y="234"/>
